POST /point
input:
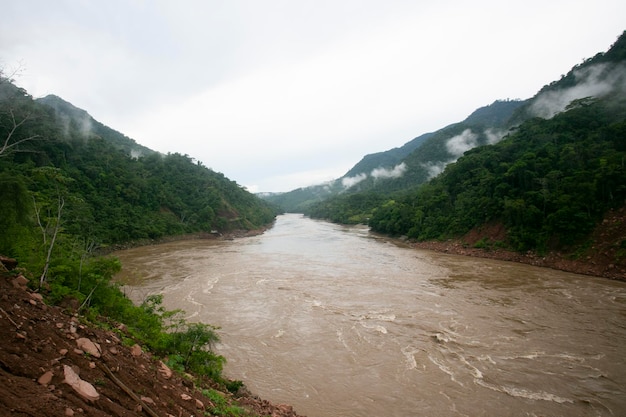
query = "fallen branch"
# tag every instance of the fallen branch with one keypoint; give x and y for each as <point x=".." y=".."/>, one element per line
<point x="127" y="390"/>
<point x="10" y="319"/>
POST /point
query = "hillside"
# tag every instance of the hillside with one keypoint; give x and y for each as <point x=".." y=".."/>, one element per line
<point x="72" y="343"/>
<point x="409" y="165"/>
<point x="545" y="185"/>
<point x="57" y="364"/>
<point x="73" y="118"/>
<point x="112" y="189"/>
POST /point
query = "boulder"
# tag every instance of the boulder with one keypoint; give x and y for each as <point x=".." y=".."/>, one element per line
<point x="147" y="400"/>
<point x="36" y="296"/>
<point x="46" y="378"/>
<point x="82" y="387"/>
<point x="135" y="350"/>
<point x="165" y="370"/>
<point x="9" y="263"/>
<point x="89" y="347"/>
<point x="20" y="282"/>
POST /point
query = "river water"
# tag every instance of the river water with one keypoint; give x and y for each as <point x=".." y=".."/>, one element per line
<point x="338" y="322"/>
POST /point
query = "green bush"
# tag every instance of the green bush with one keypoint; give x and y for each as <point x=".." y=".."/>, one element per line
<point x="221" y="406"/>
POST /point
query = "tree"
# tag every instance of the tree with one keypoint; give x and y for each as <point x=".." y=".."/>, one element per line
<point x="49" y="211"/>
<point x="14" y="117"/>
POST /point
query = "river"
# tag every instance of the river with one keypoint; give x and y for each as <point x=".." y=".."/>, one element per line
<point x="338" y="322"/>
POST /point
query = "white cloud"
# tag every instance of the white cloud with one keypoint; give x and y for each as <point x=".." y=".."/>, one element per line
<point x="395" y="172"/>
<point x="594" y="81"/>
<point x="462" y="143"/>
<point x="494" y="135"/>
<point x="348" y="182"/>
<point x="435" y="168"/>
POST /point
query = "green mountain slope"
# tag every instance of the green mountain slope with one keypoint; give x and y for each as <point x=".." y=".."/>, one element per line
<point x="67" y="115"/>
<point x="387" y="159"/>
<point x="73" y="178"/>
<point x="548" y="182"/>
<point x="407" y="166"/>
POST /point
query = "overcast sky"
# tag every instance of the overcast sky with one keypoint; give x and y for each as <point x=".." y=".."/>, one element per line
<point x="279" y="94"/>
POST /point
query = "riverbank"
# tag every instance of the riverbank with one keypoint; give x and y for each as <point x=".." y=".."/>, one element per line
<point x="604" y="257"/>
<point x="53" y="363"/>
<point x="230" y="235"/>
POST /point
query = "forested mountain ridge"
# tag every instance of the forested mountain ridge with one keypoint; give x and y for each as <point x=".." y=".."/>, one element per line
<point x="66" y="175"/>
<point x="407" y="166"/>
<point x="558" y="170"/>
<point x="67" y="114"/>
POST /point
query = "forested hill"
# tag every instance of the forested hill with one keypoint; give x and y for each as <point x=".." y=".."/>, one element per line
<point x="409" y="165"/>
<point x="546" y="184"/>
<point x="67" y="114"/>
<point x="65" y="175"/>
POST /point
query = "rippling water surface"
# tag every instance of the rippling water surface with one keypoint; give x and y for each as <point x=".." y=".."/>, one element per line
<point x="337" y="322"/>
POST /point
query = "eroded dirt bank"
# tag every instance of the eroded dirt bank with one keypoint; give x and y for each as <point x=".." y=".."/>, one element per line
<point x="606" y="257"/>
<point x="53" y="364"/>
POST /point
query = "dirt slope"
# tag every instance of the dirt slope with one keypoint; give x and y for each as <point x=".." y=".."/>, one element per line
<point x="40" y="355"/>
<point x="605" y="256"/>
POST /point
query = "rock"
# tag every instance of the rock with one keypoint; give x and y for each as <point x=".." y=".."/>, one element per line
<point x="147" y="400"/>
<point x="113" y="350"/>
<point x="199" y="405"/>
<point x="185" y="397"/>
<point x="20" y="282"/>
<point x="63" y="352"/>
<point x="46" y="378"/>
<point x="36" y="296"/>
<point x="69" y="412"/>
<point x="82" y="387"/>
<point x="165" y="370"/>
<point x="89" y="347"/>
<point x="9" y="263"/>
<point x="92" y="365"/>
<point x="135" y="350"/>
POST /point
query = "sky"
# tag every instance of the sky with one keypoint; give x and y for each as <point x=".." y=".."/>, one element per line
<point x="281" y="94"/>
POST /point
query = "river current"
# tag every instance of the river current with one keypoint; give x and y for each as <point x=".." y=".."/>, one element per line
<point x="338" y="322"/>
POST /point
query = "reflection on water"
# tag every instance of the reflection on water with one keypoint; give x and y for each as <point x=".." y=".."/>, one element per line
<point x="339" y="323"/>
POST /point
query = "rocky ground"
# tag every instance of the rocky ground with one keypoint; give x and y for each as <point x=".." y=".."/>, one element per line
<point x="53" y="364"/>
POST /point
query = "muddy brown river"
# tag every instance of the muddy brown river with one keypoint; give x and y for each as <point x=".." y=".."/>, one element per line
<point x="338" y="322"/>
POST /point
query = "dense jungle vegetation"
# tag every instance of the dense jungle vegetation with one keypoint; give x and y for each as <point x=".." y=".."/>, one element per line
<point x="70" y="187"/>
<point x="549" y="181"/>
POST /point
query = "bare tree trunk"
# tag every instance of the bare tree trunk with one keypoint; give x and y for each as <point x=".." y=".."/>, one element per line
<point x="89" y="247"/>
<point x="37" y="213"/>
<point x="57" y="226"/>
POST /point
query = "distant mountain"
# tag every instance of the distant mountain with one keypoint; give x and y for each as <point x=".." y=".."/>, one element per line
<point x="413" y="163"/>
<point x="423" y="158"/>
<point x="386" y="159"/>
